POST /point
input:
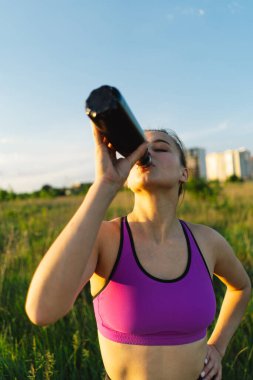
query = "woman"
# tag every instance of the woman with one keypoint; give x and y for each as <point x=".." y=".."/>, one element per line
<point x="150" y="273"/>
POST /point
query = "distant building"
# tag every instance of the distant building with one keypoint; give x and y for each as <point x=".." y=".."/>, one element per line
<point x="215" y="166"/>
<point x="223" y="165"/>
<point x="242" y="163"/>
<point x="251" y="167"/>
<point x="196" y="162"/>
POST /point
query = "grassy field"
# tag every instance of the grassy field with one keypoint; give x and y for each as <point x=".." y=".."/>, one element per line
<point x="69" y="349"/>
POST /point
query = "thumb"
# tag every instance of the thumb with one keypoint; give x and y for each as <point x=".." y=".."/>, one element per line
<point x="98" y="138"/>
<point x="137" y="154"/>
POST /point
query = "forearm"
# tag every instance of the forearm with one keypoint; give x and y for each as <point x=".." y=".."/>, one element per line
<point x="231" y="313"/>
<point x="58" y="277"/>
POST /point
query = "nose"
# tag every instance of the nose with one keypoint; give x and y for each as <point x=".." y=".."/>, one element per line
<point x="150" y="149"/>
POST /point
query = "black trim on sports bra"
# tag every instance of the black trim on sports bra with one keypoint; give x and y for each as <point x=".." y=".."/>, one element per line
<point x="150" y="275"/>
<point x="201" y="254"/>
<point x="116" y="261"/>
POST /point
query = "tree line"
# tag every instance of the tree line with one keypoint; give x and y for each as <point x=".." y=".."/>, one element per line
<point x="200" y="187"/>
<point x="46" y="191"/>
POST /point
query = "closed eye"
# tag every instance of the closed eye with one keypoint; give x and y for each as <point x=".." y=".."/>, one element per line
<point x="160" y="150"/>
<point x="160" y="146"/>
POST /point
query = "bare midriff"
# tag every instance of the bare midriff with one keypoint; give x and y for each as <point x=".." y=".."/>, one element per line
<point x="136" y="362"/>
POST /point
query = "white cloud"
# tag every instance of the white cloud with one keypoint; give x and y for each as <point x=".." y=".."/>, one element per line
<point x="57" y="178"/>
<point x="234" y="7"/>
<point x="186" y="12"/>
<point x="27" y="165"/>
<point x="204" y="132"/>
<point x="206" y="137"/>
<point x="27" y="173"/>
<point x="219" y="137"/>
<point x="170" y="16"/>
<point x="201" y="12"/>
<point x="5" y="140"/>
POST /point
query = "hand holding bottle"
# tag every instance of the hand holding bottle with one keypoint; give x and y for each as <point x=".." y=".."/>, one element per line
<point x="109" y="168"/>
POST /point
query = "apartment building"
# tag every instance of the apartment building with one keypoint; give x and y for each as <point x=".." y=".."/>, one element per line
<point x="222" y="165"/>
<point x="196" y="162"/>
<point x="251" y="167"/>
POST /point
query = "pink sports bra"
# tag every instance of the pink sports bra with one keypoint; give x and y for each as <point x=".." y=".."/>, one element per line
<point x="135" y="307"/>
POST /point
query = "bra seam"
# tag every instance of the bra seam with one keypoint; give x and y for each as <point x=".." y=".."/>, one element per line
<point x="143" y="270"/>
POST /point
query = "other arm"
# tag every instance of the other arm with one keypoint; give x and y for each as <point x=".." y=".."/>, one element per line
<point x="231" y="272"/>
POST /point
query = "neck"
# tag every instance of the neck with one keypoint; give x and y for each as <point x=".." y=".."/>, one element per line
<point x="155" y="213"/>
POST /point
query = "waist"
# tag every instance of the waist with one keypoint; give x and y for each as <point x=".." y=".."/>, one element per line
<point x="128" y="362"/>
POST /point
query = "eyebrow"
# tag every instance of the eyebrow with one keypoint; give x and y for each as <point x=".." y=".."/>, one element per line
<point x="161" y="140"/>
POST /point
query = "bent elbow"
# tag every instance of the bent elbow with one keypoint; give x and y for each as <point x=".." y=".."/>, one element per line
<point x="38" y="322"/>
<point x="35" y="314"/>
<point x="43" y="317"/>
<point x="35" y="317"/>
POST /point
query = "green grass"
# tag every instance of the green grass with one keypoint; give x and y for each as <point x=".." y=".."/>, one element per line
<point x="69" y="348"/>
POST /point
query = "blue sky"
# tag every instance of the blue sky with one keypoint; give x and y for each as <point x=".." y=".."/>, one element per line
<point x="185" y="65"/>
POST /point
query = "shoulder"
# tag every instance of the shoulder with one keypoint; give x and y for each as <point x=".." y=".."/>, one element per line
<point x="109" y="228"/>
<point x="108" y="237"/>
<point x="217" y="242"/>
<point x="207" y="234"/>
<point x="207" y="240"/>
<point x="226" y="265"/>
<point x="108" y="242"/>
<point x="201" y="229"/>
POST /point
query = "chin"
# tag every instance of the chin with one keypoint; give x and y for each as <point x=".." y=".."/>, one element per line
<point x="151" y="185"/>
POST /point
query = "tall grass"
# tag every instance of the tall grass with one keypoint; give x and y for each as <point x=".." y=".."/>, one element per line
<point x="69" y="348"/>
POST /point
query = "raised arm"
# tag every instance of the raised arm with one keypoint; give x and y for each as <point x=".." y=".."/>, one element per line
<point x="72" y="258"/>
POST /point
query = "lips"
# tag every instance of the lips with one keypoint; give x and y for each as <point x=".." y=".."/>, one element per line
<point x="146" y="168"/>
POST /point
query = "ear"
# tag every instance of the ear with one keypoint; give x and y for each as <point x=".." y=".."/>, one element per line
<point x="184" y="175"/>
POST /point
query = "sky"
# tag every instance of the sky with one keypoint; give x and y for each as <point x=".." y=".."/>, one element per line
<point x="183" y="65"/>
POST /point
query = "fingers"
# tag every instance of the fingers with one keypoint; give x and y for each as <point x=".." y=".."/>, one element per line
<point x="102" y="142"/>
<point x="111" y="150"/>
<point x="137" y="154"/>
<point x="214" y="374"/>
<point x="96" y="134"/>
<point x="212" y="368"/>
<point x="132" y="158"/>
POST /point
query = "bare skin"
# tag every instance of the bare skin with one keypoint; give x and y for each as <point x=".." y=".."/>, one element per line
<point x="153" y="362"/>
<point x="148" y="362"/>
<point x="88" y="245"/>
<point x="161" y="362"/>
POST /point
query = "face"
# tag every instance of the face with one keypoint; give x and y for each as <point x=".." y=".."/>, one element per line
<point x="166" y="170"/>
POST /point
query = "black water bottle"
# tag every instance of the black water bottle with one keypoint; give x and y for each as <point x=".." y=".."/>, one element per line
<point x="110" y="113"/>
